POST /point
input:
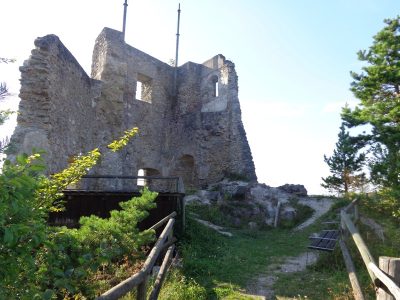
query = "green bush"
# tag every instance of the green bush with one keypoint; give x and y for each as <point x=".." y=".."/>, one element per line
<point x="42" y="262"/>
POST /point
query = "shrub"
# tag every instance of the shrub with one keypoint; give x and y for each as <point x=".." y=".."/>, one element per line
<point x="42" y="262"/>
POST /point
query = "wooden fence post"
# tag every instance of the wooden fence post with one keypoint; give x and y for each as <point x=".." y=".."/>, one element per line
<point x="356" y="213"/>
<point x="276" y="221"/>
<point x="351" y="270"/>
<point x="391" y="266"/>
<point x="142" y="290"/>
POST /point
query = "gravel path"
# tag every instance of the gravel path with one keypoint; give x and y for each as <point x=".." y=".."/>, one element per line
<point x="320" y="208"/>
<point x="262" y="286"/>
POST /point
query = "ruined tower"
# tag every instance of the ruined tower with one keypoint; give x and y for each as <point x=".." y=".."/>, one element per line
<point x="196" y="134"/>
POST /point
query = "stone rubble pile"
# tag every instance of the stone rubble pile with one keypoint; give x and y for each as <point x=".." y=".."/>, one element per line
<point x="254" y="204"/>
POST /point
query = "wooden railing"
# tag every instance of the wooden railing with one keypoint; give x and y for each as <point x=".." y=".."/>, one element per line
<point x="384" y="276"/>
<point x="140" y="279"/>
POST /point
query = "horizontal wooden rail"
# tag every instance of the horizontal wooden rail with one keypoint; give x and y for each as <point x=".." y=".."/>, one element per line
<point x="385" y="280"/>
<point x="128" y="284"/>
<point x="351" y="205"/>
<point x="162" y="273"/>
<point x="128" y="177"/>
<point x="178" y="180"/>
<point x="358" y="240"/>
<point x="378" y="277"/>
<point x="163" y="221"/>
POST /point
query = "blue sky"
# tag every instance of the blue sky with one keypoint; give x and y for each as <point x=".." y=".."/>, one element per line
<point x="293" y="60"/>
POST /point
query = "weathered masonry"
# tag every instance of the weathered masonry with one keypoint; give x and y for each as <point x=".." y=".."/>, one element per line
<point x="195" y="133"/>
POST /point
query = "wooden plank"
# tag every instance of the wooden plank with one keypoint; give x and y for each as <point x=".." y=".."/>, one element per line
<point x="351" y="205"/>
<point x="277" y="214"/>
<point x="389" y="274"/>
<point x="142" y="289"/>
<point x="163" y="221"/>
<point x="358" y="240"/>
<point x="128" y="284"/>
<point x="351" y="270"/>
<point x="161" y="274"/>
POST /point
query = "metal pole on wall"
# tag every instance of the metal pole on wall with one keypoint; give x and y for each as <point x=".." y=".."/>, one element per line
<point x="124" y="20"/>
<point x="176" y="52"/>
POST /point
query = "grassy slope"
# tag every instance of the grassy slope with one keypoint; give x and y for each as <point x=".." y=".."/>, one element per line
<point x="219" y="267"/>
<point x="328" y="279"/>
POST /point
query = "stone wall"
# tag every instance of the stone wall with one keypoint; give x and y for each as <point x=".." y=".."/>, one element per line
<point x="57" y="100"/>
<point x="196" y="134"/>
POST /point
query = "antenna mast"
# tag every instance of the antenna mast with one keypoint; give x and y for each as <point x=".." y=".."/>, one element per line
<point x="176" y="52"/>
<point x="124" y="20"/>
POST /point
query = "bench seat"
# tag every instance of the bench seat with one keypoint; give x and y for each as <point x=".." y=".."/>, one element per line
<point x="325" y="241"/>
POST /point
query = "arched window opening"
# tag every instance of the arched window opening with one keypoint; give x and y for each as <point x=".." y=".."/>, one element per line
<point x="146" y="172"/>
<point x="215" y="86"/>
<point x="141" y="181"/>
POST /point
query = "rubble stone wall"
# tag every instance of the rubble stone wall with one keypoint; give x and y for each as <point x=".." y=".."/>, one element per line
<point x="56" y="108"/>
<point x="195" y="133"/>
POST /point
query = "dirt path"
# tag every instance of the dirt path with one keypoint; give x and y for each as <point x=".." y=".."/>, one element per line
<point x="262" y="286"/>
<point x="320" y="208"/>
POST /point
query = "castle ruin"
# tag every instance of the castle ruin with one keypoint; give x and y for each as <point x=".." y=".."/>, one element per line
<point x="194" y="132"/>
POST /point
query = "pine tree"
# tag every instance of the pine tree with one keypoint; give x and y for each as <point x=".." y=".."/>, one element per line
<point x="345" y="164"/>
<point x="378" y="89"/>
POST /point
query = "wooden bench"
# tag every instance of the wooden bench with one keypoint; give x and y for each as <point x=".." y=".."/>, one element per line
<point x="325" y="241"/>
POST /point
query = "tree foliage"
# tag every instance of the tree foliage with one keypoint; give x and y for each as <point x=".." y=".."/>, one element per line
<point x="42" y="262"/>
<point x="378" y="89"/>
<point x="4" y="114"/>
<point x="345" y="164"/>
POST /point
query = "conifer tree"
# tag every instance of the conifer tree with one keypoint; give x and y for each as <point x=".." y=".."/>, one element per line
<point x="378" y="89"/>
<point x="345" y="164"/>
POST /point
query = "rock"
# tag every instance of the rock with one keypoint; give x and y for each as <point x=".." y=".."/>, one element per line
<point x="155" y="271"/>
<point x="288" y="213"/>
<point x="237" y="222"/>
<point x="295" y="189"/>
<point x="253" y="225"/>
<point x="213" y="196"/>
<point x="196" y="199"/>
<point x="251" y="204"/>
<point x="240" y="193"/>
<point x="208" y="196"/>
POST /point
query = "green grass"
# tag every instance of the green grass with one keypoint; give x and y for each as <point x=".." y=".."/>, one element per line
<point x="328" y="278"/>
<point x="219" y="267"/>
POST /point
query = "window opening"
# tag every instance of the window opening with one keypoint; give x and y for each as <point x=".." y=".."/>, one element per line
<point x="144" y="88"/>
<point x="139" y="90"/>
<point x="146" y="172"/>
<point x="141" y="181"/>
<point x="215" y="86"/>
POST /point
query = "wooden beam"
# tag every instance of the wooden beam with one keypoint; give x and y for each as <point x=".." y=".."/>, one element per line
<point x="389" y="274"/>
<point x="161" y="274"/>
<point x="142" y="289"/>
<point x="128" y="284"/>
<point x="358" y="240"/>
<point x="351" y="270"/>
<point x="277" y="214"/>
<point x="164" y="220"/>
<point x="350" y="206"/>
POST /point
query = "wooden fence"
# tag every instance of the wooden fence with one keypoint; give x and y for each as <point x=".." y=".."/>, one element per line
<point x="139" y="280"/>
<point x="383" y="277"/>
